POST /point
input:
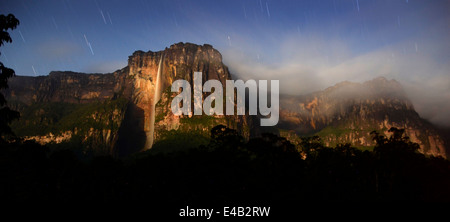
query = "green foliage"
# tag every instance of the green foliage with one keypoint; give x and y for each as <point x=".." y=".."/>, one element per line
<point x="56" y="118"/>
<point x="159" y="117"/>
<point x="163" y="104"/>
<point x="172" y="141"/>
<point x="331" y="130"/>
<point x="203" y="120"/>
<point x="341" y="130"/>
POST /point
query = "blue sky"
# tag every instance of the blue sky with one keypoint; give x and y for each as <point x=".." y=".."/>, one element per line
<point x="307" y="45"/>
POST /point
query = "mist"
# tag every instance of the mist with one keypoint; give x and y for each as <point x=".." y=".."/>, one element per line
<point x="308" y="64"/>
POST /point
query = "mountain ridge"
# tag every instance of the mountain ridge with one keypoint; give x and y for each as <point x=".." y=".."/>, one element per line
<point x="116" y="108"/>
<point x="122" y="125"/>
<point x="347" y="112"/>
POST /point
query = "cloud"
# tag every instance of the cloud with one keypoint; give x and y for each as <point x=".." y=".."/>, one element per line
<point x="431" y="97"/>
<point x="104" y="66"/>
<point x="297" y="63"/>
<point x="307" y="64"/>
<point x="425" y="80"/>
<point x="58" y="49"/>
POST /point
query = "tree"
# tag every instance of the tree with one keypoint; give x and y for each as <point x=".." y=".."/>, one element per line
<point x="7" y="115"/>
<point x="222" y="136"/>
<point x="398" y="143"/>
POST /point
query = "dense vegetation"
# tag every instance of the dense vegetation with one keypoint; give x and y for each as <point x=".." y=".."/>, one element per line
<point x="228" y="168"/>
<point x="40" y="119"/>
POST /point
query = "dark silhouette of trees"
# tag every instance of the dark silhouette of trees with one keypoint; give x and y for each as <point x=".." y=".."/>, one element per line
<point x="224" y="137"/>
<point x="310" y="146"/>
<point x="396" y="144"/>
<point x="229" y="169"/>
<point x="400" y="170"/>
<point x="7" y="115"/>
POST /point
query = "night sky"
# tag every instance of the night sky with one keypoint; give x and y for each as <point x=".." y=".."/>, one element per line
<point x="307" y="45"/>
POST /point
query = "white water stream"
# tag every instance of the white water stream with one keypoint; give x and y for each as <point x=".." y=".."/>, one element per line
<point x="156" y="98"/>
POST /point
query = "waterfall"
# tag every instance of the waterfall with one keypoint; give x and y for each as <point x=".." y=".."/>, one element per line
<point x="156" y="98"/>
<point x="157" y="95"/>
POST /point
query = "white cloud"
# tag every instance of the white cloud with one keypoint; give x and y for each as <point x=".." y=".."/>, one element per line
<point x="58" y="49"/>
<point x="304" y="65"/>
<point x="105" y="66"/>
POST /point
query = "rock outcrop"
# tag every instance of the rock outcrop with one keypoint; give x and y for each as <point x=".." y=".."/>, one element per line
<point x="134" y="129"/>
<point x="129" y="110"/>
<point x="348" y="112"/>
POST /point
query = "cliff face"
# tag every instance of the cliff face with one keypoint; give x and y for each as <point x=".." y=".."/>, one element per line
<point x="348" y="112"/>
<point x="70" y="108"/>
<point x="180" y="61"/>
<point x="129" y="108"/>
<point x="67" y="87"/>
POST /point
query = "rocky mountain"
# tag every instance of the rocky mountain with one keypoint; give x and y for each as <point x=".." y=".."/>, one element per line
<point x="70" y="108"/>
<point x="348" y="112"/>
<point x="128" y="111"/>
<point x="122" y="112"/>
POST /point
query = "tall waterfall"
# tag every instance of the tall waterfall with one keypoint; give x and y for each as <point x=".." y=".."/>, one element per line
<point x="156" y="98"/>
